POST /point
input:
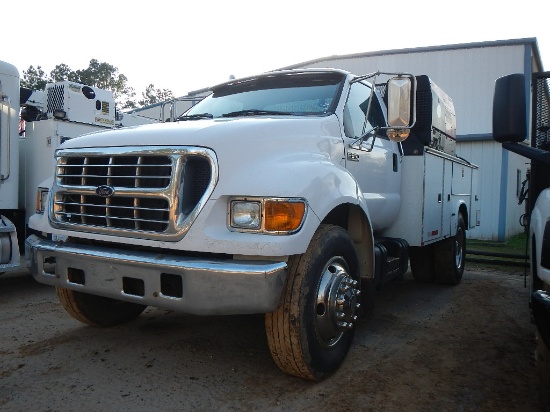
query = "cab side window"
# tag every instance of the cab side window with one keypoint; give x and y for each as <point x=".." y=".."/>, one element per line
<point x="356" y="109"/>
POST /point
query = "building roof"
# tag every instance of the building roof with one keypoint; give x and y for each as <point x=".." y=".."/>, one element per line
<point x="497" y="43"/>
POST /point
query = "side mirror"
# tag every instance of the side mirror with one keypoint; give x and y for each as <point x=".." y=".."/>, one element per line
<point x="510" y="109"/>
<point x="399" y="91"/>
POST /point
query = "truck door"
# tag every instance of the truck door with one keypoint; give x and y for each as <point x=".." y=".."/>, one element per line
<point x="376" y="162"/>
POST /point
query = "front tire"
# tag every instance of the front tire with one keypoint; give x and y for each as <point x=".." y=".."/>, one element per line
<point x="97" y="310"/>
<point x="310" y="333"/>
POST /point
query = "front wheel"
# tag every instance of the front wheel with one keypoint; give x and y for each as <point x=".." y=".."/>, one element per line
<point x="450" y="256"/>
<point x="98" y="310"/>
<point x="310" y="333"/>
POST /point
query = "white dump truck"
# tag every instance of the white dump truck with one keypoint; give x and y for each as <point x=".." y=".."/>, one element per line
<point x="295" y="194"/>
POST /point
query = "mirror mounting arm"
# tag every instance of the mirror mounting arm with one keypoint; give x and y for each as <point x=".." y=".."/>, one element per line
<point x="357" y="144"/>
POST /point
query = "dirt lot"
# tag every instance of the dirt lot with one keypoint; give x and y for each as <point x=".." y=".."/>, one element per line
<point x="427" y="348"/>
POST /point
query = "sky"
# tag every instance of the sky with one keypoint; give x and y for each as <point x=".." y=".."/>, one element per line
<point x="184" y="46"/>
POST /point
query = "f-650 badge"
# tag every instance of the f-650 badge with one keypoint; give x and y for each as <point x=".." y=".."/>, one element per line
<point x="105" y="191"/>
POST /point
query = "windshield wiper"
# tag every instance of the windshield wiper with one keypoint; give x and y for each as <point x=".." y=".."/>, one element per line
<point x="195" y="116"/>
<point x="255" y="112"/>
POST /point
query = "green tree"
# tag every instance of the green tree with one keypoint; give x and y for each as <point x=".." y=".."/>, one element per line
<point x="102" y="75"/>
<point x="62" y="72"/>
<point x="34" y="78"/>
<point x="106" y="76"/>
<point x="152" y="96"/>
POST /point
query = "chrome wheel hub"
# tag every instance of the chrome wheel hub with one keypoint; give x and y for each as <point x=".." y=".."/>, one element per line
<point x="337" y="302"/>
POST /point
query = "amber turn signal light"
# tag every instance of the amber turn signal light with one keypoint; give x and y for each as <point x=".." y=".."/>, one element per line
<point x="283" y="216"/>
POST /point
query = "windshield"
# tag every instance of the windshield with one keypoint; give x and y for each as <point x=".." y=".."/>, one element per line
<point x="297" y="94"/>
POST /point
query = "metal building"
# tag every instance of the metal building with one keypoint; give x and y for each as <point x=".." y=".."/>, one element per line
<point x="467" y="72"/>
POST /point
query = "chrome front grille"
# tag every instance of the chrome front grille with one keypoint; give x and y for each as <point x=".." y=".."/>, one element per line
<point x="132" y="213"/>
<point x="139" y="192"/>
<point x="121" y="171"/>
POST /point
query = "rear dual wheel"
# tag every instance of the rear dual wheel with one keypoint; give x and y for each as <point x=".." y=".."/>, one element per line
<point x="450" y="256"/>
<point x="443" y="261"/>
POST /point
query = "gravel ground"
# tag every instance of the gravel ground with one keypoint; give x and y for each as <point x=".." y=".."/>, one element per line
<point x="427" y="348"/>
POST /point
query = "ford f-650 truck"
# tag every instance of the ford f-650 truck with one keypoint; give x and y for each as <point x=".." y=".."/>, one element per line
<point x="294" y="193"/>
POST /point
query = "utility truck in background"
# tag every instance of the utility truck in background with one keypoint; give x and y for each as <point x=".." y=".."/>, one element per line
<point x="32" y="124"/>
<point x="510" y="127"/>
<point x="295" y="194"/>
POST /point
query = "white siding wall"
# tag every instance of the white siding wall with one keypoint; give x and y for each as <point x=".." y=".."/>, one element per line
<point x="467" y="75"/>
<point x="488" y="156"/>
<point x="162" y="110"/>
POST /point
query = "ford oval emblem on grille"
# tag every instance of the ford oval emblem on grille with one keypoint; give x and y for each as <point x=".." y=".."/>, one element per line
<point x="105" y="191"/>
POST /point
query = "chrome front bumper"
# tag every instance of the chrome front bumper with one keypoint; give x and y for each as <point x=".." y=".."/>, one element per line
<point x="190" y="285"/>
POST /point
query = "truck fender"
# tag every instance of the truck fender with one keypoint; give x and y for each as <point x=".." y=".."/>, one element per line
<point x="9" y="247"/>
<point x="353" y="215"/>
<point x="462" y="208"/>
<point x="334" y="196"/>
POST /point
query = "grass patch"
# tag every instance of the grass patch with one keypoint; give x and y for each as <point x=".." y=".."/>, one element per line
<point x="514" y="245"/>
<point x="510" y="252"/>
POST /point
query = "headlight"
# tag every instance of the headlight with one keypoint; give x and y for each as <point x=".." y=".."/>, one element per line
<point x="245" y="215"/>
<point x="41" y="199"/>
<point x="267" y="215"/>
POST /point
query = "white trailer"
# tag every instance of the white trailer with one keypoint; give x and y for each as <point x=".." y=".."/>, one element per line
<point x="32" y="125"/>
<point x="9" y="164"/>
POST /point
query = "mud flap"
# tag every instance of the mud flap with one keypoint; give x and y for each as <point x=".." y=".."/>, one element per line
<point x="9" y="249"/>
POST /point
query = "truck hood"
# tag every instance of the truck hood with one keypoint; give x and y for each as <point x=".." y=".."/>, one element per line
<point x="254" y="154"/>
<point x="237" y="134"/>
